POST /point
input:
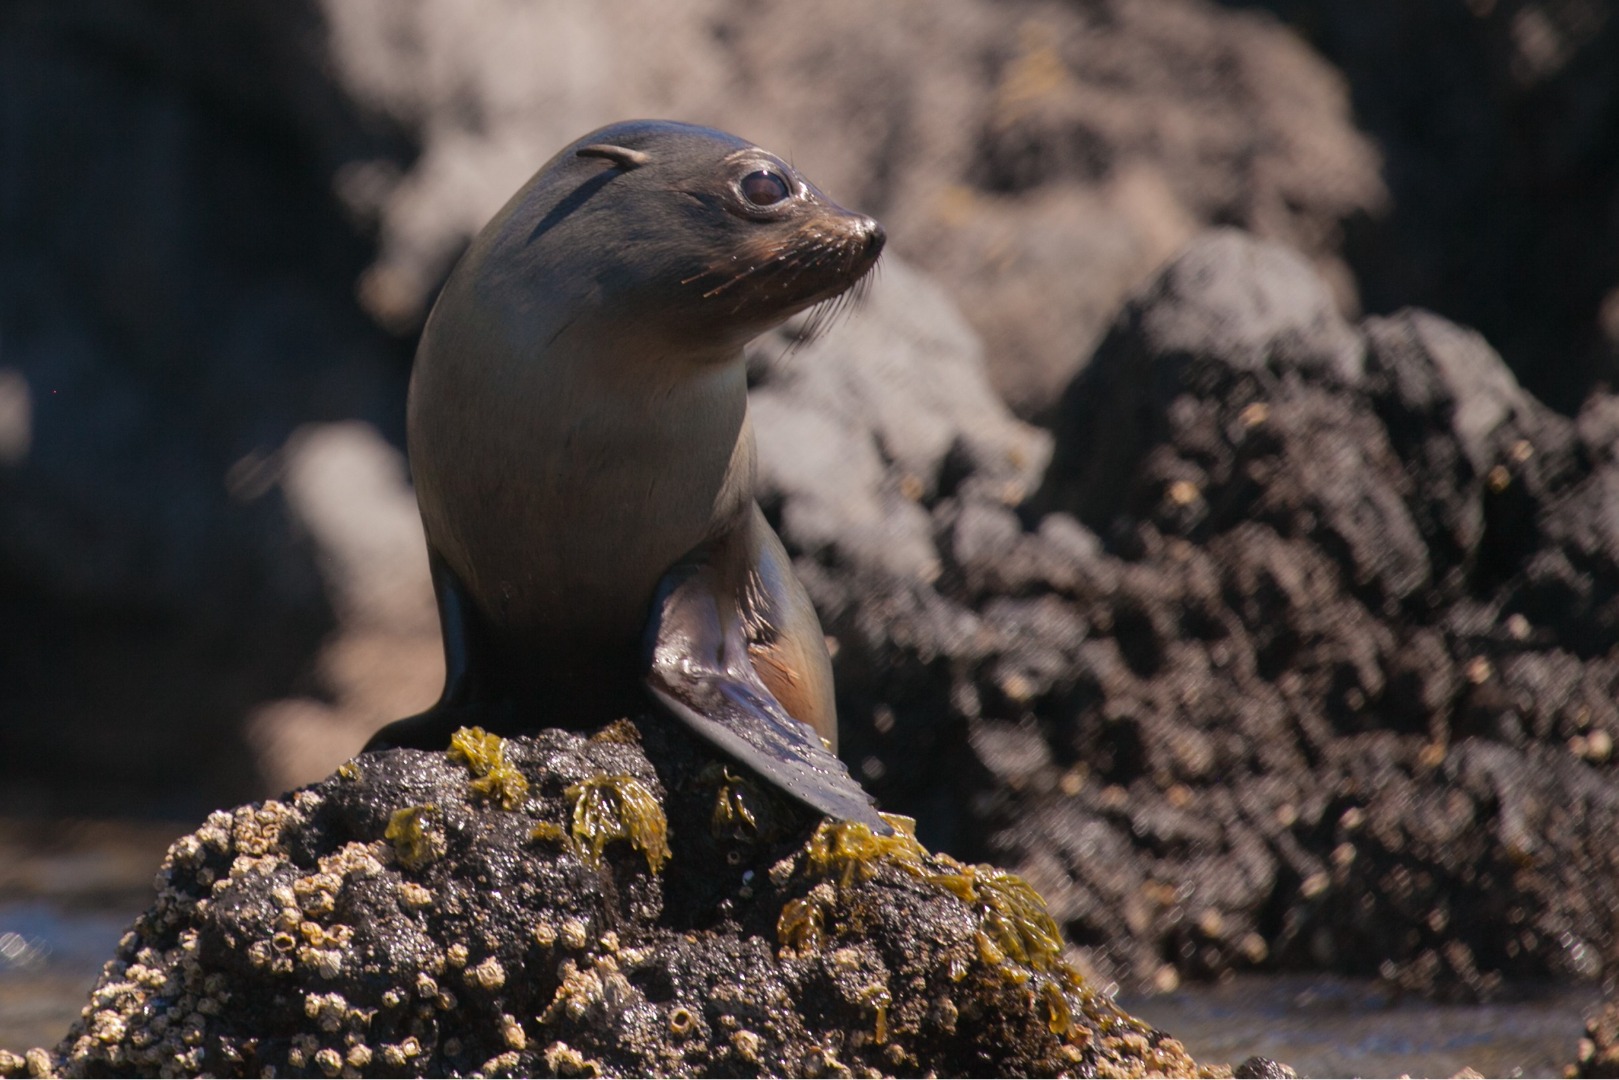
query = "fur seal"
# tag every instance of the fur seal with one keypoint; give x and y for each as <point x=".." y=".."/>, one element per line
<point x="579" y="439"/>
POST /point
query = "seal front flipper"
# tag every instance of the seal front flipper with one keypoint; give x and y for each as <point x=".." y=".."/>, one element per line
<point x="465" y="648"/>
<point x="702" y="673"/>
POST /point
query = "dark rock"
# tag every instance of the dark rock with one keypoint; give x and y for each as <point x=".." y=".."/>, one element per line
<point x="1500" y="127"/>
<point x="1228" y="317"/>
<point x="1334" y="688"/>
<point x="176" y="288"/>
<point x="578" y="911"/>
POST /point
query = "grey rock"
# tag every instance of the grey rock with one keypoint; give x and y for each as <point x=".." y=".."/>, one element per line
<point x="578" y="911"/>
<point x="1437" y="365"/>
<point x="1230" y="315"/>
<point x="860" y="427"/>
<point x="1250" y="305"/>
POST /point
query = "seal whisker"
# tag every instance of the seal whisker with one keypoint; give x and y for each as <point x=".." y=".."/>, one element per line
<point x="830" y="312"/>
<point x="770" y="264"/>
<point x="820" y="319"/>
<point x="765" y="270"/>
<point x="801" y="266"/>
<point x="730" y="267"/>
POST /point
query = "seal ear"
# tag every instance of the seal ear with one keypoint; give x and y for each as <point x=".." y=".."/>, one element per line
<point x="622" y="156"/>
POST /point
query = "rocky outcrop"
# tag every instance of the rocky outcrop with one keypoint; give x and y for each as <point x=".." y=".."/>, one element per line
<point x="1499" y="123"/>
<point x="862" y="425"/>
<point x="1299" y="657"/>
<point x="616" y="903"/>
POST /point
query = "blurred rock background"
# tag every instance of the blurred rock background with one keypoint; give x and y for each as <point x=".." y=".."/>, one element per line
<point x="221" y="228"/>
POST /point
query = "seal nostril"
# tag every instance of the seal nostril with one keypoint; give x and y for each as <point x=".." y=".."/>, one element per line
<point x="875" y="236"/>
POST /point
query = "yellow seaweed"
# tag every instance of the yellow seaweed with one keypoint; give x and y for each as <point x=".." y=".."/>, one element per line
<point x="496" y="779"/>
<point x="609" y="808"/>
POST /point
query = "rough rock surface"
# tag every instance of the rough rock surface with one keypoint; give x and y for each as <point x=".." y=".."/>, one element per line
<point x="1500" y="124"/>
<point x="1302" y="655"/>
<point x="541" y="907"/>
<point x="861" y="425"/>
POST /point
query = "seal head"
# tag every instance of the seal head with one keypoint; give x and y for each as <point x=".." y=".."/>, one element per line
<point x="697" y="238"/>
<point x="584" y="465"/>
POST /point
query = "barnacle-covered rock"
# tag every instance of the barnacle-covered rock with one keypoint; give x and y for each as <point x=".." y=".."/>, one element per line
<point x="584" y="914"/>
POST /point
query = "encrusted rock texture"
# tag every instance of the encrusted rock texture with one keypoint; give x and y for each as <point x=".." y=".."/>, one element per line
<point x="1301" y="656"/>
<point x="541" y="906"/>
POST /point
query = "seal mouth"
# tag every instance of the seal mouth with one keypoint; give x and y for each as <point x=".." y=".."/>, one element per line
<point x="782" y="272"/>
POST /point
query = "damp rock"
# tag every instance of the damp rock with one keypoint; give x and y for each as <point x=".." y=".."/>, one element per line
<point x="405" y="917"/>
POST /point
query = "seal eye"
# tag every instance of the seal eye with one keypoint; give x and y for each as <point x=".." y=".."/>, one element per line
<point x="764" y="188"/>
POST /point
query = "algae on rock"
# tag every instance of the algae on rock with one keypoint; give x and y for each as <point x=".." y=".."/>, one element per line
<point x="583" y="914"/>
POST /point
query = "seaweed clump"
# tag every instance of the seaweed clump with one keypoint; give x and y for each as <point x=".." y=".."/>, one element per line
<point x="1015" y="935"/>
<point x="743" y="812"/>
<point x="609" y="808"/>
<point x="495" y="778"/>
<point x="416" y="838"/>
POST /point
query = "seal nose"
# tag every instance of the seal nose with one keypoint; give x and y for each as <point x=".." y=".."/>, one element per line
<point x="875" y="237"/>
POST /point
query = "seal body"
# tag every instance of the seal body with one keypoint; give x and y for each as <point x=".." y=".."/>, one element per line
<point x="579" y="440"/>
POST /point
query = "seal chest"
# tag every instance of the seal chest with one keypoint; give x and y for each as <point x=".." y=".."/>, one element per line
<point x="579" y="439"/>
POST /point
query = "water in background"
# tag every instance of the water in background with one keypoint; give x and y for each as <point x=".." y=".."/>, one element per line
<point x="68" y="891"/>
<point x="1323" y="1025"/>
